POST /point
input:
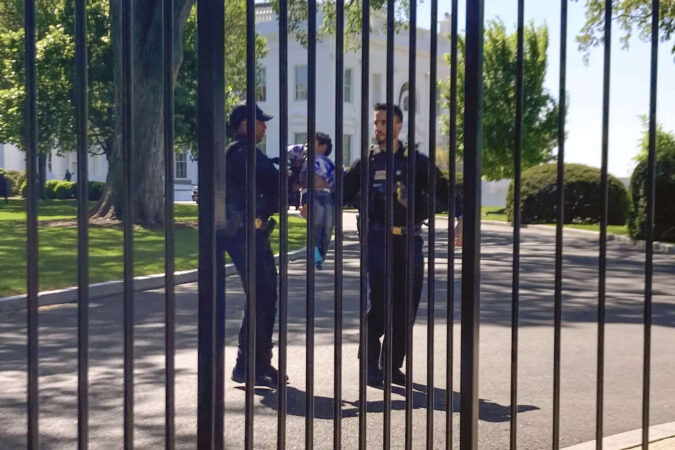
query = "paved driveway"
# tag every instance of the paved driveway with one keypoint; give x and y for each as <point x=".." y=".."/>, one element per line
<point x="58" y="356"/>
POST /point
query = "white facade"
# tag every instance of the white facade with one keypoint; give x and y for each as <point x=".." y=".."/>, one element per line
<point x="12" y="158"/>
<point x="267" y="26"/>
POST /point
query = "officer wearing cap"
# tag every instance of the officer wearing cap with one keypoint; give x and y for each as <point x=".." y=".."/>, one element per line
<point x="233" y="239"/>
<point x="377" y="234"/>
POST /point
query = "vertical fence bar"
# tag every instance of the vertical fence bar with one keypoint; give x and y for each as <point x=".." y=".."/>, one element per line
<point x="602" y="260"/>
<point x="211" y="139"/>
<point x="127" y="152"/>
<point x="388" y="224"/>
<point x="337" y="373"/>
<point x="431" y="279"/>
<point x="283" y="222"/>
<point x="250" y="215"/>
<point x="82" y="226"/>
<point x="311" y="159"/>
<point x="560" y="217"/>
<point x="452" y="166"/>
<point x="515" y="301"/>
<point x="169" y="248"/>
<point x="649" y="227"/>
<point x="410" y="224"/>
<point x="364" y="211"/>
<point x="30" y="120"/>
<point x="473" y="137"/>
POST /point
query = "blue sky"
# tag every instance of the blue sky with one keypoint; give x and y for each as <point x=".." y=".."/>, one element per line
<point x="629" y="81"/>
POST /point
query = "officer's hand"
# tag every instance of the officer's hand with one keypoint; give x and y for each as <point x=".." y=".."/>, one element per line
<point x="303" y="211"/>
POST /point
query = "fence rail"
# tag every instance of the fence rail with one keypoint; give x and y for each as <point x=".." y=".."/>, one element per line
<point x="212" y="297"/>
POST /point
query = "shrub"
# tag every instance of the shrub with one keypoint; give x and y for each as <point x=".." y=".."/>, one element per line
<point x="583" y="196"/>
<point x="664" y="207"/>
<point x="15" y="179"/>
<point x="95" y="190"/>
<point x="20" y="181"/>
<point x="23" y="190"/>
<point x="65" y="190"/>
<point x="50" y="188"/>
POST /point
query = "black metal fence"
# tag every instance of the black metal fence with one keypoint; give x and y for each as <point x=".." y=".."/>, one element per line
<point x="211" y="139"/>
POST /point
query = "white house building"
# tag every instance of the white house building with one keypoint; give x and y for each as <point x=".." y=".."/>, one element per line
<point x="268" y="98"/>
<point x="12" y="158"/>
<point x="268" y="84"/>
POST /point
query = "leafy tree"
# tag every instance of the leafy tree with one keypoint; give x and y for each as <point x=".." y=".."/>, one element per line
<point x="632" y="15"/>
<point x="665" y="142"/>
<point x="664" y="187"/>
<point x="148" y="159"/>
<point x="235" y="71"/>
<point x="56" y="76"/>
<point x="297" y="17"/>
<point x="540" y="109"/>
<point x="55" y="52"/>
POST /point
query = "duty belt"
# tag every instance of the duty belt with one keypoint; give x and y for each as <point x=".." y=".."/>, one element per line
<point x="396" y="230"/>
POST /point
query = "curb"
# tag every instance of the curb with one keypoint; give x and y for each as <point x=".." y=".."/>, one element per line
<point x="660" y="247"/>
<point x="107" y="288"/>
<point x="630" y="439"/>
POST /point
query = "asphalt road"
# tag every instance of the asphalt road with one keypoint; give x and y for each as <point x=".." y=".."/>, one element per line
<point x="623" y="377"/>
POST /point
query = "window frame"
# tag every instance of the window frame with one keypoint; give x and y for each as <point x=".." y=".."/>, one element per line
<point x="261" y="84"/>
<point x="377" y="88"/>
<point x="180" y="163"/>
<point x="347" y="85"/>
<point x="298" y="134"/>
<point x="347" y="148"/>
<point x="301" y="87"/>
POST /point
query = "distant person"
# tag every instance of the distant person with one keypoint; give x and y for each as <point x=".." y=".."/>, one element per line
<point x="4" y="187"/>
<point x="324" y="196"/>
<point x="68" y="175"/>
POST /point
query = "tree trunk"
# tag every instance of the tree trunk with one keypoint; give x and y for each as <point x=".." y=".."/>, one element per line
<point x="147" y="184"/>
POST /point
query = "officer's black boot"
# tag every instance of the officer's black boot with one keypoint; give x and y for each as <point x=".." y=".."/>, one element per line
<point x="239" y="371"/>
<point x="398" y="377"/>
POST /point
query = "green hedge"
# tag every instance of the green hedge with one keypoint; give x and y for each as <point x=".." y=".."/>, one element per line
<point x="583" y="197"/>
<point x="664" y="207"/>
<point x="23" y="190"/>
<point x="50" y="188"/>
<point x="64" y="190"/>
<point x="15" y="179"/>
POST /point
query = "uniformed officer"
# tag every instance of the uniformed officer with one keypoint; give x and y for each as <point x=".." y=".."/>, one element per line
<point x="233" y="239"/>
<point x="377" y="233"/>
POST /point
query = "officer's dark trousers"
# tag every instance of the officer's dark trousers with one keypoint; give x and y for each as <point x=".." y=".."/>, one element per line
<point x="266" y="294"/>
<point x="376" y="282"/>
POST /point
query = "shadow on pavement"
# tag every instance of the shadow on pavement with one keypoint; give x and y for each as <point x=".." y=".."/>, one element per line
<point x="323" y="406"/>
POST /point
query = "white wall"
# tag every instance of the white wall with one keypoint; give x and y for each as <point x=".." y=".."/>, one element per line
<point x="325" y="89"/>
<point x="12" y="158"/>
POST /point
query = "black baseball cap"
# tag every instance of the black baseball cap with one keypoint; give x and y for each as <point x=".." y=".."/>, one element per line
<point x="239" y="113"/>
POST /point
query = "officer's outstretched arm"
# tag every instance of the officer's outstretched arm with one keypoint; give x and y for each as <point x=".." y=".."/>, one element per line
<point x="352" y="183"/>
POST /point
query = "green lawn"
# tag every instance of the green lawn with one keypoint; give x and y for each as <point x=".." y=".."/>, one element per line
<point x="494" y="213"/>
<point x="58" y="247"/>
<point x="498" y="213"/>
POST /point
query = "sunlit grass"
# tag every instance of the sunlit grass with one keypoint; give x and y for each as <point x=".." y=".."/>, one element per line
<point x="58" y="247"/>
<point x="498" y="213"/>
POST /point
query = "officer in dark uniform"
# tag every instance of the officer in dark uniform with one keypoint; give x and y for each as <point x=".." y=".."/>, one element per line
<point x="377" y="234"/>
<point x="233" y="239"/>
